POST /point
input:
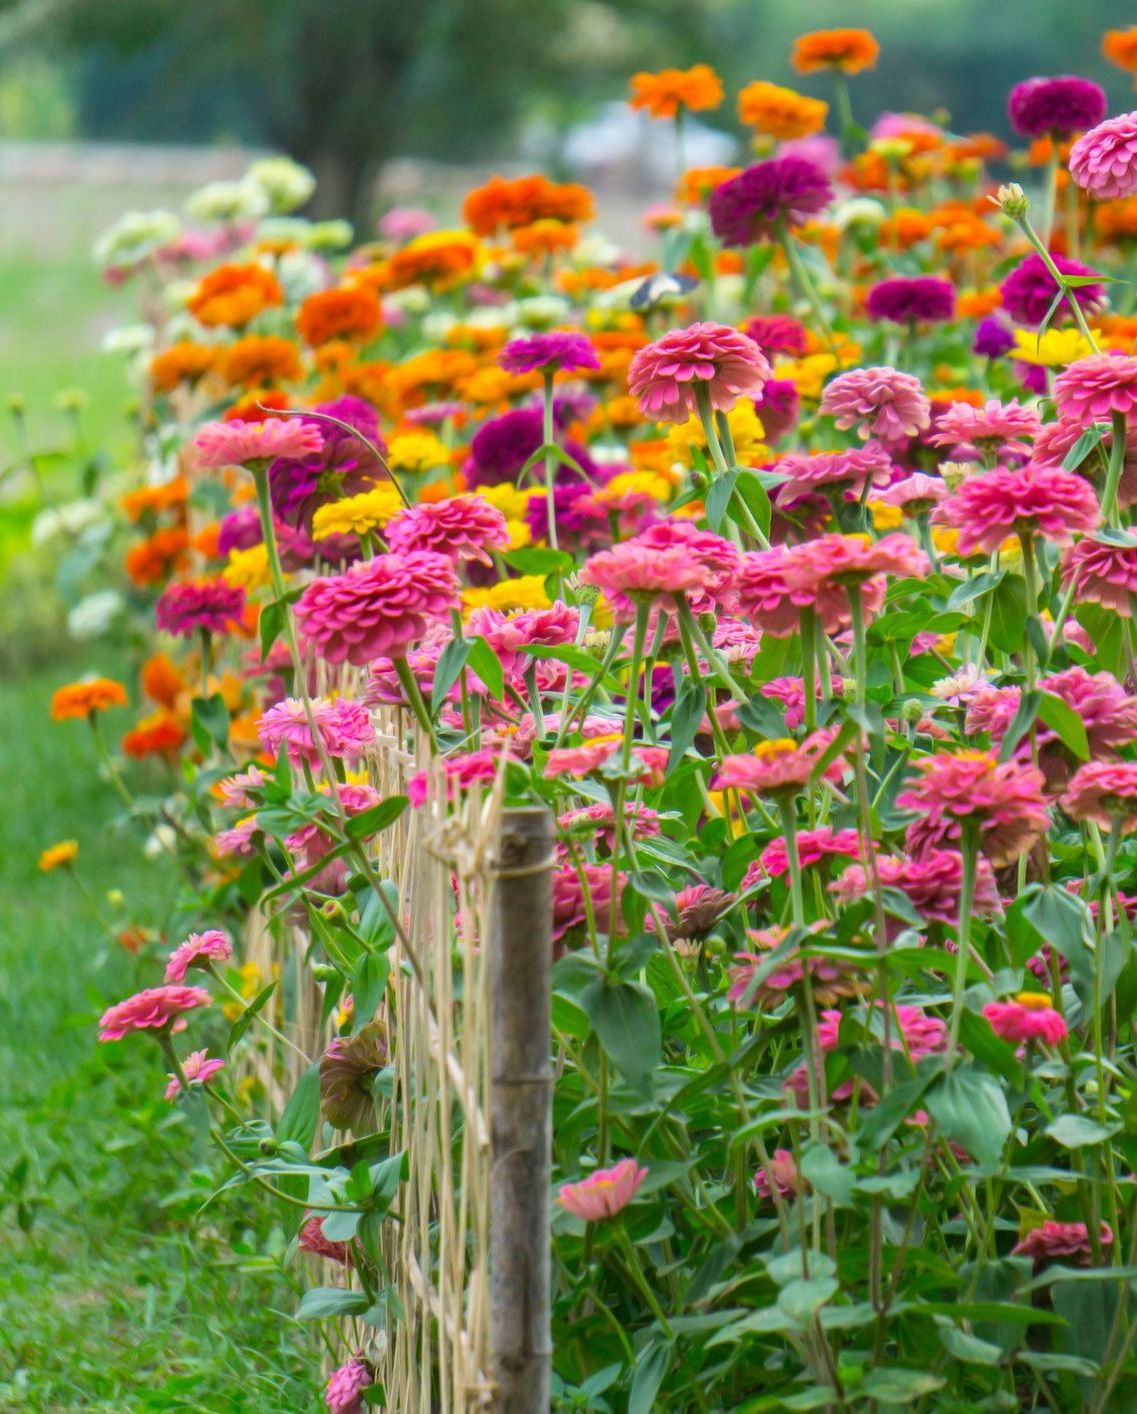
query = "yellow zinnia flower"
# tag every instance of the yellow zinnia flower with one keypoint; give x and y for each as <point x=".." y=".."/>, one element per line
<point x="745" y="428"/>
<point x="357" y="515"/>
<point x="1054" y="349"/>
<point x="417" y="452"/>
<point x="527" y="591"/>
<point x="247" y="569"/>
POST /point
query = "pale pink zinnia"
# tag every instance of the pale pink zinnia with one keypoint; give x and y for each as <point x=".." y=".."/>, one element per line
<point x="240" y="443"/>
<point x="664" y="376"/>
<point x="994" y="428"/>
<point x="377" y="608"/>
<point x="878" y="402"/>
<point x="914" y="494"/>
<point x="1028" y="500"/>
<point x="1053" y="1241"/>
<point x="779" y="767"/>
<point x="1093" y="388"/>
<point x="603" y="1193"/>
<point x="198" y="950"/>
<point x="344" y="727"/>
<point x="1103" y="161"/>
<point x="1003" y="800"/>
<point x="155" y="1009"/>
<point x="1030" y="1016"/>
<point x="1104" y="792"/>
<point x="463" y="527"/>
<point x="1104" y="572"/>
<point x="197" y="1068"/>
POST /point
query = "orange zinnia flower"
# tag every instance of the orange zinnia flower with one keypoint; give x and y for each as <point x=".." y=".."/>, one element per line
<point x="260" y="359"/>
<point x="158" y="734"/>
<point x="780" y="112"/>
<point x="440" y="259"/>
<point x="1117" y="220"/>
<point x="663" y="94"/>
<point x="1120" y="47"/>
<point x="506" y="203"/>
<point x="153" y="500"/>
<point x="348" y="312"/>
<point x="907" y="227"/>
<point x="697" y="183"/>
<point x="84" y="699"/>
<point x="231" y="295"/>
<point x="975" y="304"/>
<point x="152" y="560"/>
<point x="161" y="680"/>
<point x="246" y="409"/>
<point x="545" y="237"/>
<point x="59" y="856"/>
<point x="183" y="362"/>
<point x="849" y="50"/>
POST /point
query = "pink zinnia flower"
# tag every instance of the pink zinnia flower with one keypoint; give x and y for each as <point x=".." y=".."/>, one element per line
<point x="1106" y="574"/>
<point x="1104" y="791"/>
<point x="768" y="196"/>
<point x="1056" y="439"/>
<point x="378" y="607"/>
<point x="311" y="1239"/>
<point x="778" y="333"/>
<point x="1093" y="388"/>
<point x="912" y="1029"/>
<point x="932" y="882"/>
<point x="1028" y="500"/>
<point x="198" y="1070"/>
<point x="914" y="494"/>
<point x="198" y="950"/>
<point x="830" y="979"/>
<point x="561" y="350"/>
<point x="879" y="402"/>
<point x="235" y="789"/>
<point x="1103" y="161"/>
<point x="1054" y="1240"/>
<point x="1028" y="1017"/>
<point x="461" y="772"/>
<point x="1056" y="107"/>
<point x="598" y="822"/>
<point x="812" y="847"/>
<point x="603" y="1193"/>
<point x="344" y="1391"/>
<point x="1004" y="800"/>
<point x="773" y="586"/>
<point x="237" y="841"/>
<point x="790" y="692"/>
<point x="786" y="1179"/>
<point x="344" y="727"/>
<point x="568" y="897"/>
<point x="780" y="766"/>
<point x="462" y="527"/>
<point x="847" y="470"/>
<point x="208" y="604"/>
<point x="157" y="1009"/>
<point x="994" y="427"/>
<point x="664" y="375"/>
<point x="240" y="443"/>
<point x="844" y="560"/>
<point x="666" y="560"/>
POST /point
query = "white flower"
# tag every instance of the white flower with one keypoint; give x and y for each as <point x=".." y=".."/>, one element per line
<point x="95" y="614"/>
<point x="857" y="211"/>
<point x="285" y="183"/>
<point x="329" y="235"/>
<point x="436" y="326"/>
<point x="301" y="274"/>
<point x="961" y="686"/>
<point x="542" y="311"/>
<point x="493" y="316"/>
<point x="161" y="840"/>
<point x="129" y="339"/>
<point x="135" y="236"/>
<point x="228" y="201"/>
<point x="70" y="519"/>
<point x="414" y="299"/>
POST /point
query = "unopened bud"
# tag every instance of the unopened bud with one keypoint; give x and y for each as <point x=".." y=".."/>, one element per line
<point x="324" y="971"/>
<point x="115" y="898"/>
<point x="1013" y="200"/>
<point x="955" y="474"/>
<point x="913" y="711"/>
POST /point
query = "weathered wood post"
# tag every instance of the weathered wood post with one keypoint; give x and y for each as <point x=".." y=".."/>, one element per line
<point x="520" y="984"/>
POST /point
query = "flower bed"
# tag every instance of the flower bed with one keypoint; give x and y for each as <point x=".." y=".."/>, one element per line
<point x="792" y="567"/>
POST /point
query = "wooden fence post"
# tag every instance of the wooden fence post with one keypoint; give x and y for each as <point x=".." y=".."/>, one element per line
<point x="520" y="985"/>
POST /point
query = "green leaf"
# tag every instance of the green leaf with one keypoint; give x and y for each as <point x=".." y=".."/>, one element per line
<point x="535" y="559"/>
<point x="368" y="982"/>
<point x="802" y="1298"/>
<point x="750" y="491"/>
<point x="301" y="1115"/>
<point x="974" y="587"/>
<point x="825" y="1172"/>
<point x="626" y="1020"/>
<point x="209" y="722"/>
<point x="370" y="822"/>
<point x="970" y="1107"/>
<point x="1008" y="614"/>
<point x="1076" y="1131"/>
<point x="966" y="1347"/>
<point x="324" y="1301"/>
<point x="763" y="716"/>
<point x="1060" y="717"/>
<point x="719" y="498"/>
<point x="451" y="661"/>
<point x="1021" y="723"/>
<point x="1063" y="920"/>
<point x="686" y="715"/>
<point x="651" y="1367"/>
<point x="1085" y="444"/>
<point x="248" y="1016"/>
<point x="485" y="662"/>
<point x="272" y="619"/>
<point x="892" y="1385"/>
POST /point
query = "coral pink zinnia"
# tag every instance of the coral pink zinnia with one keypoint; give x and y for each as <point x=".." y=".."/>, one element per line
<point x="198" y="950"/>
<point x="778" y="767"/>
<point x="1003" y="800"/>
<point x="462" y="527"/>
<point x="1103" y="161"/>
<point x="1054" y="1240"/>
<point x="240" y="443"/>
<point x="1093" y="388"/>
<point x="1028" y="500"/>
<point x="157" y="1008"/>
<point x="879" y="402"/>
<point x="603" y="1193"/>
<point x="666" y="376"/>
<point x="377" y="608"/>
<point x="1104" y="792"/>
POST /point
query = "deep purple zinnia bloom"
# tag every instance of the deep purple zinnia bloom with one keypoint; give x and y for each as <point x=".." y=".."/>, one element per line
<point x="239" y="530"/>
<point x="344" y="465"/>
<point x="208" y="604"/>
<point x="752" y="206"/>
<point x="919" y="299"/>
<point x="1029" y="290"/>
<point x="578" y="516"/>
<point x="992" y="338"/>
<point x="562" y="350"/>
<point x="1056" y="107"/>
<point x="502" y="446"/>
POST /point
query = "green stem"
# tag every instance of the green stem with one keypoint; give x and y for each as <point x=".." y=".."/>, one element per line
<point x="969" y="847"/>
<point x="1109" y="508"/>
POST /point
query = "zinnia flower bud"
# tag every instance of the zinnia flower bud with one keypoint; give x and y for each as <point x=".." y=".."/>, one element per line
<point x="1013" y="200"/>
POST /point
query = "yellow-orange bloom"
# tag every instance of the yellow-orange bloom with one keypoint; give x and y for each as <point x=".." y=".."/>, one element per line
<point x="440" y="259"/>
<point x="347" y="312"/>
<point x="183" y="362"/>
<point x="161" y="681"/>
<point x="57" y="856"/>
<point x="154" y="559"/>
<point x="231" y="295"/>
<point x="153" y="500"/>
<point x="780" y="112"/>
<point x="665" y="93"/>
<point x="849" y="50"/>
<point x="1120" y="47"/>
<point x="507" y="203"/>
<point x="83" y="699"/>
<point x="261" y="359"/>
<point x="159" y="734"/>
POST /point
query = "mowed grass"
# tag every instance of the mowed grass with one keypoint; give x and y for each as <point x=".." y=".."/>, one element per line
<point x="118" y="1296"/>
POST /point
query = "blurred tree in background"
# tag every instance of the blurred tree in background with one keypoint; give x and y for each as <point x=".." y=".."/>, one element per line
<point x="345" y="84"/>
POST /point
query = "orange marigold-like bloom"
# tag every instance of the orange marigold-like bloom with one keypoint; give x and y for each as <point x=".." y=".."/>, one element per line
<point x="161" y="681"/>
<point x="697" y="183"/>
<point x="251" y="407"/>
<point x="545" y="237"/>
<point x="780" y="112"/>
<point x="968" y="234"/>
<point x="849" y="50"/>
<point x="58" y="856"/>
<point x="1120" y="47"/>
<point x="1117" y="220"/>
<point x="957" y="395"/>
<point x="153" y="500"/>
<point x="158" y="734"/>
<point x="347" y="312"/>
<point x="183" y="362"/>
<point x="663" y="94"/>
<point x="207" y="541"/>
<point x="974" y="304"/>
<point x="231" y="295"/>
<point x="506" y="203"/>
<point x="984" y="147"/>
<point x="906" y="227"/>
<point x="440" y="258"/>
<point x="152" y="560"/>
<point x="259" y="359"/>
<point x="432" y="372"/>
<point x="83" y="699"/>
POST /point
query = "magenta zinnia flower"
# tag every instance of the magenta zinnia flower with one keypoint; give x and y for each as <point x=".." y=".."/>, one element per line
<point x="778" y="333"/>
<point x="197" y="1068"/>
<point x="1093" y="388"/>
<point x="664" y="376"/>
<point x="1027" y="1017"/>
<point x="879" y="402"/>
<point x="156" y="1009"/>
<point x="1003" y="800"/>
<point x="468" y="769"/>
<point x="1103" y="161"/>
<point x="344" y="727"/>
<point x="603" y="1193"/>
<point x="240" y="443"/>
<point x="1029" y="500"/>
<point x="760" y="201"/>
<point x="1054" y="1240"/>
<point x="208" y="604"/>
<point x="344" y="1391"/>
<point x="562" y="350"/>
<point x="377" y="608"/>
<point x="1029" y="290"/>
<point x="461" y="527"/>
<point x="916" y="299"/>
<point x="1104" y="792"/>
<point x="1056" y="107"/>
<point x="198" y="950"/>
<point x="1106" y="574"/>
